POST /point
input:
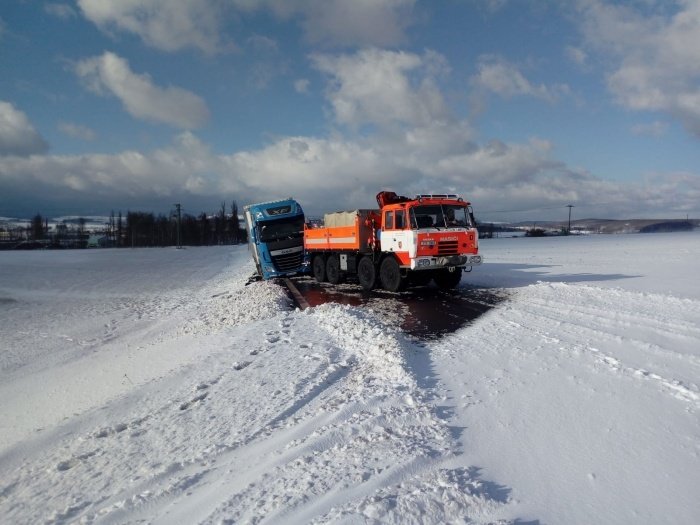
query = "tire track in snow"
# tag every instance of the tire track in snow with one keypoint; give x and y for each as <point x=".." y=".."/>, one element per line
<point x="671" y="386"/>
<point x="650" y="317"/>
<point x="623" y="322"/>
<point x="81" y="455"/>
<point x="350" y="427"/>
<point x="272" y="429"/>
<point x="395" y="435"/>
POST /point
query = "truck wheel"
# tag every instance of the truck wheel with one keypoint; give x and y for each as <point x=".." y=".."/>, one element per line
<point x="333" y="269"/>
<point x="367" y="273"/>
<point x="319" y="268"/>
<point x="390" y="275"/>
<point x="447" y="280"/>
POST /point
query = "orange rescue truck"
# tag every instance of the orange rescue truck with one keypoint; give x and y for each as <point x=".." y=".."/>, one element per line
<point x="407" y="241"/>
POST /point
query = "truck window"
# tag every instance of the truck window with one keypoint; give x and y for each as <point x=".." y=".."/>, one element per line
<point x="289" y="228"/>
<point x="456" y="216"/>
<point x="389" y="220"/>
<point x="439" y="216"/>
<point x="399" y="219"/>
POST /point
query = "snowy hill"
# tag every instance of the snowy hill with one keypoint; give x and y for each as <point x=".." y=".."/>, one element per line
<point x="614" y="226"/>
<point x="154" y="386"/>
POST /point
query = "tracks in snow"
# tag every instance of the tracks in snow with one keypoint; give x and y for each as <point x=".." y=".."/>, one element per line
<point x="312" y="420"/>
<point x="644" y="337"/>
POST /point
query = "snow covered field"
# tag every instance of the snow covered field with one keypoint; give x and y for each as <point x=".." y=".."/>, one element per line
<point x="154" y="386"/>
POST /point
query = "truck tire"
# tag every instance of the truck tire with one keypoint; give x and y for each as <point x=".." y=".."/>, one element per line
<point x="367" y="273"/>
<point x="447" y="280"/>
<point x="333" y="269"/>
<point x="390" y="275"/>
<point x="319" y="268"/>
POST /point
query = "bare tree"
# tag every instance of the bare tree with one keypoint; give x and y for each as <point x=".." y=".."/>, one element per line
<point x="234" y="223"/>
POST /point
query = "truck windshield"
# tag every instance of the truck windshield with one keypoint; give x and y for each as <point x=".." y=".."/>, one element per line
<point x="439" y="216"/>
<point x="281" y="229"/>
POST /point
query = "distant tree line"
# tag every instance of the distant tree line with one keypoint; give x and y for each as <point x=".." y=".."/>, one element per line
<point x="135" y="229"/>
<point x="668" y="226"/>
<point x="140" y="229"/>
<point x="488" y="230"/>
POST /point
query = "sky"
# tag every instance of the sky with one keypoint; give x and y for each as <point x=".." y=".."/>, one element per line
<point x="521" y="107"/>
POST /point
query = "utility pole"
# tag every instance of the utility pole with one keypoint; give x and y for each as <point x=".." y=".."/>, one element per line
<point x="177" y="207"/>
<point x="568" y="232"/>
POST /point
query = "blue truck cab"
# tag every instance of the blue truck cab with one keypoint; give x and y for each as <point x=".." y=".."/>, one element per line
<point x="276" y="237"/>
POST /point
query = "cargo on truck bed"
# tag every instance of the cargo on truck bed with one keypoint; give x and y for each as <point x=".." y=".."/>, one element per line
<point x="348" y="230"/>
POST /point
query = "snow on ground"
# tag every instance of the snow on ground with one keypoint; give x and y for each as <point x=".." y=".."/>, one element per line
<point x="582" y="396"/>
<point x="155" y="386"/>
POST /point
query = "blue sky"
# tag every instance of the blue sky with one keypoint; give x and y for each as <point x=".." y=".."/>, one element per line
<point x="522" y="107"/>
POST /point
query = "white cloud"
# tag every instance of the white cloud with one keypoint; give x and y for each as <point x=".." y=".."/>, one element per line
<point x="163" y="172"/>
<point x="163" y="24"/>
<point x="267" y="62"/>
<point x="577" y="55"/>
<point x="63" y="11"/>
<point x="494" y="5"/>
<point x="262" y="44"/>
<point x="381" y="87"/>
<point x="301" y="85"/>
<point x="412" y="144"/>
<point x="111" y="74"/>
<point x="77" y="131"/>
<point x="656" y="56"/>
<point x="358" y="23"/>
<point x="262" y="74"/>
<point x="334" y="173"/>
<point x="200" y="24"/>
<point x="17" y="134"/>
<point x="652" y="129"/>
<point x="495" y="75"/>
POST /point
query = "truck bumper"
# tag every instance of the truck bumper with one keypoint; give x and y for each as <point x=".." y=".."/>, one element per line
<point x="270" y="272"/>
<point x="459" y="261"/>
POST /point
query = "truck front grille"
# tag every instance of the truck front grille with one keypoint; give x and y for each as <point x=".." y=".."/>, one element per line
<point x="288" y="262"/>
<point x="448" y="247"/>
